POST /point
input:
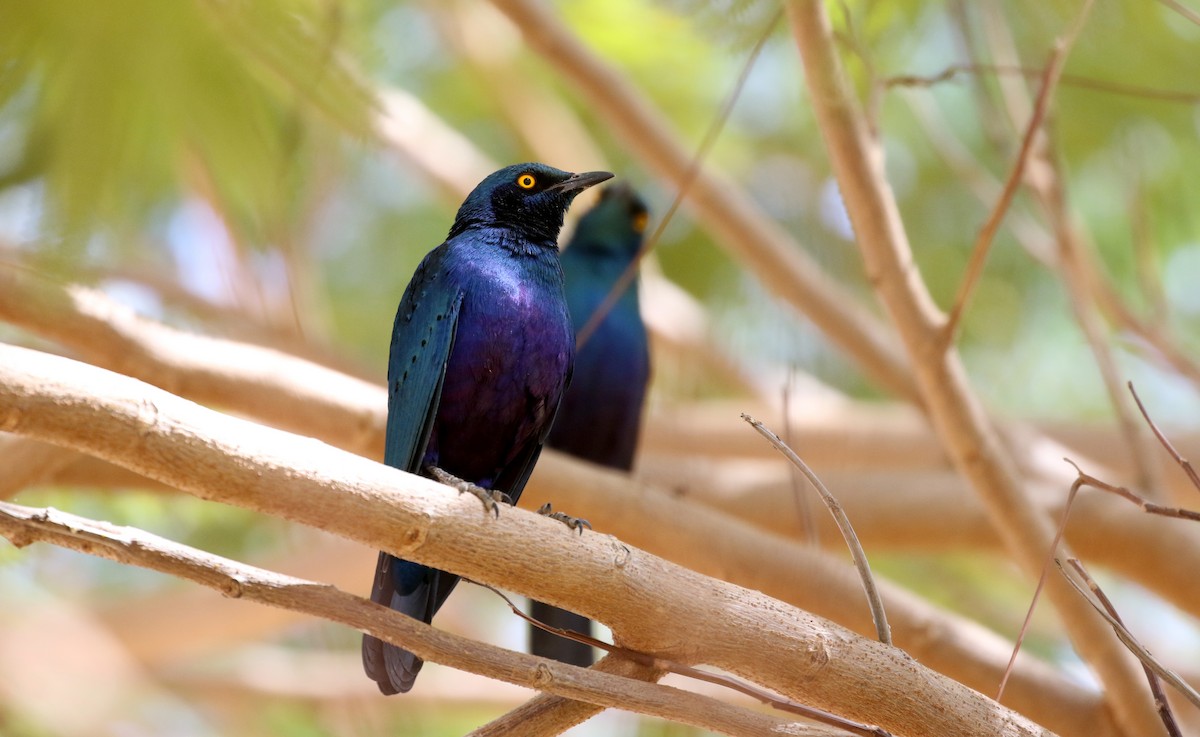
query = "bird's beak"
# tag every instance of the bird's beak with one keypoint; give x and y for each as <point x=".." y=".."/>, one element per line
<point x="578" y="182"/>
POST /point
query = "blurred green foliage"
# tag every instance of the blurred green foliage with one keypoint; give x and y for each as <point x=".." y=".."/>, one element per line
<point x="118" y="118"/>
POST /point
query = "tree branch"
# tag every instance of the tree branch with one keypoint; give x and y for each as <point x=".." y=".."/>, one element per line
<point x="303" y="396"/>
<point x="715" y="543"/>
<point x="23" y="525"/>
<point x="224" y="459"/>
<point x="955" y="412"/>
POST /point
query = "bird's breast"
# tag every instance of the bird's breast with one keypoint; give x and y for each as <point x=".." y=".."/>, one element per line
<point x="507" y="370"/>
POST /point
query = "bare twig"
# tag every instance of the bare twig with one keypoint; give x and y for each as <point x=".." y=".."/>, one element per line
<point x="1082" y="479"/>
<point x="1073" y="270"/>
<point x="808" y="525"/>
<point x="1180" y="460"/>
<point x="843" y="522"/>
<point x="1146" y="505"/>
<point x="1067" y="80"/>
<point x="670" y="666"/>
<point x="306" y="397"/>
<point x="1049" y="80"/>
<point x="1134" y="646"/>
<point x="1041" y="583"/>
<point x="689" y="175"/>
<point x="1160" y="698"/>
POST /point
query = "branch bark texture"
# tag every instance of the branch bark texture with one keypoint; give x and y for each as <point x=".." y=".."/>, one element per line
<point x="651" y="605"/>
<point x="23" y="525"/>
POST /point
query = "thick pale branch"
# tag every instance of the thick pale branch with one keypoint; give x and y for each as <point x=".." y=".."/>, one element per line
<point x="954" y="410"/>
<point x="277" y="388"/>
<point x="680" y="530"/>
<point x="233" y="461"/>
<point x="23" y="525"/>
<point x="719" y="545"/>
<point x="937" y="512"/>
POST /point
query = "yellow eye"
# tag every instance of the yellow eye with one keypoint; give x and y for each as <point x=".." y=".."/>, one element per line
<point x="640" y="220"/>
<point x="526" y="181"/>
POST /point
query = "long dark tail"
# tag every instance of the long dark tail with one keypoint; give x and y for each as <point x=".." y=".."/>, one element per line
<point x="412" y="589"/>
<point x="560" y="648"/>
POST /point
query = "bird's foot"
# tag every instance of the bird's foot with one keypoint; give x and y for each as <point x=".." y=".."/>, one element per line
<point x="491" y="498"/>
<point x="575" y="523"/>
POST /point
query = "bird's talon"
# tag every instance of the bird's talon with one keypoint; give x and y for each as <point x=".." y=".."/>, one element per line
<point x="491" y="498"/>
<point x="574" y="523"/>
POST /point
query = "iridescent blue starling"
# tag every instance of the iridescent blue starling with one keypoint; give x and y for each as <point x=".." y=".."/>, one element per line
<point x="600" y="416"/>
<point x="481" y="353"/>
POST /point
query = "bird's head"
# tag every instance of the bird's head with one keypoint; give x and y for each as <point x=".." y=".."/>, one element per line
<point x="529" y="199"/>
<point x="615" y="226"/>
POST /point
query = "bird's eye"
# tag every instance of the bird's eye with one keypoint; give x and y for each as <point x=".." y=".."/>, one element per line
<point x="639" y="221"/>
<point x="526" y="181"/>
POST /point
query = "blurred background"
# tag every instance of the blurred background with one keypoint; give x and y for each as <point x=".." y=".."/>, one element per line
<point x="273" y="171"/>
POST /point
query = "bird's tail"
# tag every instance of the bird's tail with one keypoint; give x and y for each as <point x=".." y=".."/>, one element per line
<point x="549" y="645"/>
<point x="411" y="589"/>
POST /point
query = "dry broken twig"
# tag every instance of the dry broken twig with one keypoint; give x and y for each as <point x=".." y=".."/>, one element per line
<point x="1160" y="698"/>
<point x="983" y="243"/>
<point x="1131" y="642"/>
<point x="878" y="615"/>
<point x="661" y="664"/>
<point x="1182" y="462"/>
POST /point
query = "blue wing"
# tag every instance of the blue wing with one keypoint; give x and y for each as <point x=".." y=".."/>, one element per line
<point x="422" y="339"/>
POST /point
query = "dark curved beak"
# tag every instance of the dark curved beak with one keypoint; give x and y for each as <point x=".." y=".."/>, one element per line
<point x="578" y="182"/>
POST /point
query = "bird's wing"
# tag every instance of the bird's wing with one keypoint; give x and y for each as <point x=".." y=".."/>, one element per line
<point x="422" y="338"/>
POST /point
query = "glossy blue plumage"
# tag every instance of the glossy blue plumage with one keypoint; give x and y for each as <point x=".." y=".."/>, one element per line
<point x="480" y="357"/>
<point x="600" y="416"/>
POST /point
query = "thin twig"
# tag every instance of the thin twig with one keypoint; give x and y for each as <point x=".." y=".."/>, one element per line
<point x="983" y="243"/>
<point x="843" y="522"/>
<point x="1124" y="493"/>
<point x="1037" y="591"/>
<point x="1145" y="261"/>
<point x="807" y="523"/>
<point x="685" y="183"/>
<point x="1132" y="644"/>
<point x="1180" y="460"/>
<point x="1160" y="698"/>
<point x="1081" y="480"/>
<point x="672" y="666"/>
<point x="1068" y="80"/>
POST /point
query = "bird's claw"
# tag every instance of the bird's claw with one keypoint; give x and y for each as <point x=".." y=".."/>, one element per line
<point x="491" y="498"/>
<point x="575" y="523"/>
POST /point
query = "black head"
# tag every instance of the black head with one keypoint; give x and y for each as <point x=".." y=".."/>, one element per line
<point x="528" y="199"/>
<point x="615" y="226"/>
